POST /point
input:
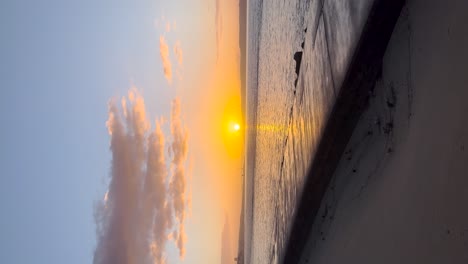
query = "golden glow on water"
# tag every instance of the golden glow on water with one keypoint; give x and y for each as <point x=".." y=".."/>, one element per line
<point x="272" y="128"/>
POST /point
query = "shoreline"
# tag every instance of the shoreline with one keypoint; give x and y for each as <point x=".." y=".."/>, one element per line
<point x="240" y="249"/>
<point x="351" y="102"/>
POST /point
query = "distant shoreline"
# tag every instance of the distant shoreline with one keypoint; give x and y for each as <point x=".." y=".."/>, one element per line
<point x="243" y="87"/>
<point x="240" y="248"/>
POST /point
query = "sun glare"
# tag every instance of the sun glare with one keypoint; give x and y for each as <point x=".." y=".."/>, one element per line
<point x="234" y="127"/>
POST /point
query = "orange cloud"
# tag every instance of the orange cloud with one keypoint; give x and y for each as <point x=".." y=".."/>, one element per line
<point x="143" y="205"/>
<point x="164" y="52"/>
<point x="179" y="149"/>
<point x="178" y="53"/>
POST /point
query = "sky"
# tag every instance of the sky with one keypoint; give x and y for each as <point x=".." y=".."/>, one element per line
<point x="118" y="125"/>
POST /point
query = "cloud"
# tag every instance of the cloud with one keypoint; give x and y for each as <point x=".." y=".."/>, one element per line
<point x="180" y="59"/>
<point x="218" y="25"/>
<point x="178" y="53"/>
<point x="177" y="187"/>
<point x="164" y="52"/>
<point x="142" y="206"/>
<point x="226" y="249"/>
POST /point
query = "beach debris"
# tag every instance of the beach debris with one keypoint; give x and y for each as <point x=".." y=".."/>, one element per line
<point x="349" y="153"/>
<point x="325" y="213"/>
<point x="388" y="128"/>
<point x="298" y="59"/>
<point x="378" y="122"/>
<point x="391" y="101"/>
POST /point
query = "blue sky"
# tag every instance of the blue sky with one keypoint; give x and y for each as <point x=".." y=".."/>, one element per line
<point x="61" y="62"/>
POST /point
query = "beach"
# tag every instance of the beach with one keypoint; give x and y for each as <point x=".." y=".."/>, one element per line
<point x="298" y="56"/>
<point x="336" y="109"/>
<point x="397" y="194"/>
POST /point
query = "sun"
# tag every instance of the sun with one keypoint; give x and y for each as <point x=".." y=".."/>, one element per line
<point x="234" y="127"/>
